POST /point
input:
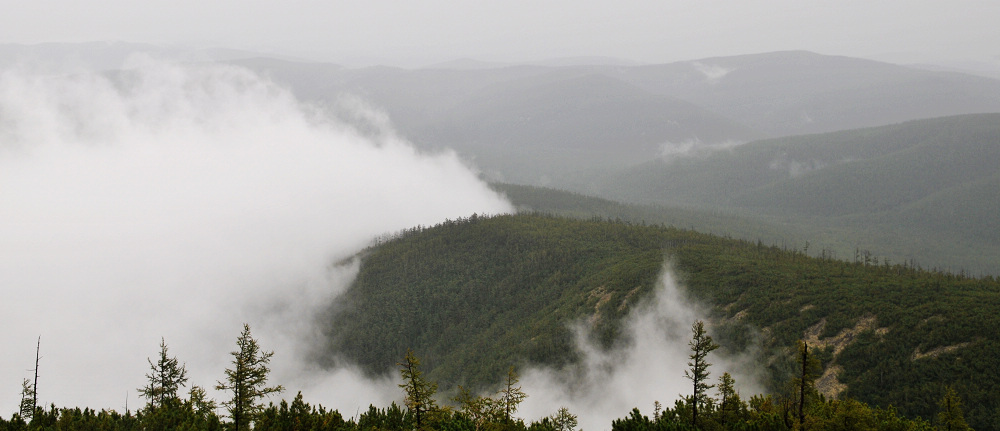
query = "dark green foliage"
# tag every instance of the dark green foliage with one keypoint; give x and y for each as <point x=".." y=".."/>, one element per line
<point x="300" y="416"/>
<point x="195" y="413"/>
<point x="808" y="370"/>
<point x="247" y="381"/>
<point x="389" y="418"/>
<point x="951" y="417"/>
<point x="768" y="413"/>
<point x="477" y="295"/>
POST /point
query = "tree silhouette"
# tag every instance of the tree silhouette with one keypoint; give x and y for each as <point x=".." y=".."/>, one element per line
<point x="701" y="345"/>
<point x="247" y="381"/>
<point x="166" y="377"/>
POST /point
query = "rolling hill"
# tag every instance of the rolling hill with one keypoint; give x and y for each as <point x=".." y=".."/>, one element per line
<point x="923" y="190"/>
<point x="475" y="296"/>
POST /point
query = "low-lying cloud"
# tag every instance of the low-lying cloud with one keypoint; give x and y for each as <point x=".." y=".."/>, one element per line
<point x="608" y="384"/>
<point x="670" y="151"/>
<point x="795" y="168"/>
<point x="181" y="201"/>
<point x="712" y="72"/>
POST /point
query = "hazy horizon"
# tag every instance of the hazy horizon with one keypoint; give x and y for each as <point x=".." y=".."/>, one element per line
<point x="425" y="33"/>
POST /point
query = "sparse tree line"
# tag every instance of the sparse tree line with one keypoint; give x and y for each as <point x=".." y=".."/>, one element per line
<point x="800" y="408"/>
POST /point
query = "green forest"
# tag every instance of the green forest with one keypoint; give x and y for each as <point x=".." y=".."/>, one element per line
<point x="477" y="295"/>
<point x="803" y="407"/>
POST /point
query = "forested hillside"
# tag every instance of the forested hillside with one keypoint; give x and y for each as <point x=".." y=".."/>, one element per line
<point x="478" y="295"/>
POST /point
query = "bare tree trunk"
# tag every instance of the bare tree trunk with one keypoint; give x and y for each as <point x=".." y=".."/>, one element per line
<point x="34" y="399"/>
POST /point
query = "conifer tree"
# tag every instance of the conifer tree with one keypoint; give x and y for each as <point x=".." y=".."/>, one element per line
<point x="247" y="381"/>
<point x="511" y="396"/>
<point x="419" y="392"/>
<point x="200" y="406"/>
<point x="729" y="399"/>
<point x="809" y="369"/>
<point x="27" y="400"/>
<point x="701" y="345"/>
<point x="166" y="377"/>
<point x="479" y="409"/>
<point x="563" y="420"/>
<point x="951" y="418"/>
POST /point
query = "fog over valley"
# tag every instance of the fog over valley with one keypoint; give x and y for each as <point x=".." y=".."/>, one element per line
<point x="564" y="192"/>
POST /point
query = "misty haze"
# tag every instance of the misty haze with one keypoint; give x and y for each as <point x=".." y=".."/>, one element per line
<point x="558" y="216"/>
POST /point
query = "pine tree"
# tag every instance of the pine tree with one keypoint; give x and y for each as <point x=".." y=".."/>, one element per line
<point x="247" y="381"/>
<point x="701" y="345"/>
<point x="419" y="392"/>
<point x="166" y="377"/>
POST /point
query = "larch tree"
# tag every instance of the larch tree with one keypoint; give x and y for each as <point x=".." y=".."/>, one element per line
<point x="563" y="420"/>
<point x="729" y="399"/>
<point x="511" y="395"/>
<point x="247" y="381"/>
<point x="701" y="345"/>
<point x="479" y="409"/>
<point x="27" y="400"/>
<point x="419" y="392"/>
<point x="164" y="380"/>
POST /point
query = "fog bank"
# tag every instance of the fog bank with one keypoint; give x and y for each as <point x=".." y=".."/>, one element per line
<point x="181" y="201"/>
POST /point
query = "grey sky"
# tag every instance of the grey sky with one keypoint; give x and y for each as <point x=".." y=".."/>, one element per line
<point x="517" y="30"/>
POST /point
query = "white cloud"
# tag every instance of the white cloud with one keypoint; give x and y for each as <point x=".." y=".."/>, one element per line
<point x="181" y="201"/>
<point x="608" y="384"/>
<point x="712" y="72"/>
<point x="694" y="148"/>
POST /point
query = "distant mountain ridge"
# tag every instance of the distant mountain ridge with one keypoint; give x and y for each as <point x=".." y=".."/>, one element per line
<point x="535" y="124"/>
<point x="799" y="92"/>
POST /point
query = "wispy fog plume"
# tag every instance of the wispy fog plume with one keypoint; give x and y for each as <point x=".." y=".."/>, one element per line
<point x="712" y="72"/>
<point x="650" y="368"/>
<point x="794" y="167"/>
<point x="670" y="151"/>
<point x="181" y="201"/>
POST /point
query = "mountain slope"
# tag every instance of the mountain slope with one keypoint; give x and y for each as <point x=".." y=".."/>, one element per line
<point x="475" y="296"/>
<point x="884" y="189"/>
<point x="497" y="292"/>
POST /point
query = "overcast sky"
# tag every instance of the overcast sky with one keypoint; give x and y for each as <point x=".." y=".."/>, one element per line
<point x="428" y="31"/>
